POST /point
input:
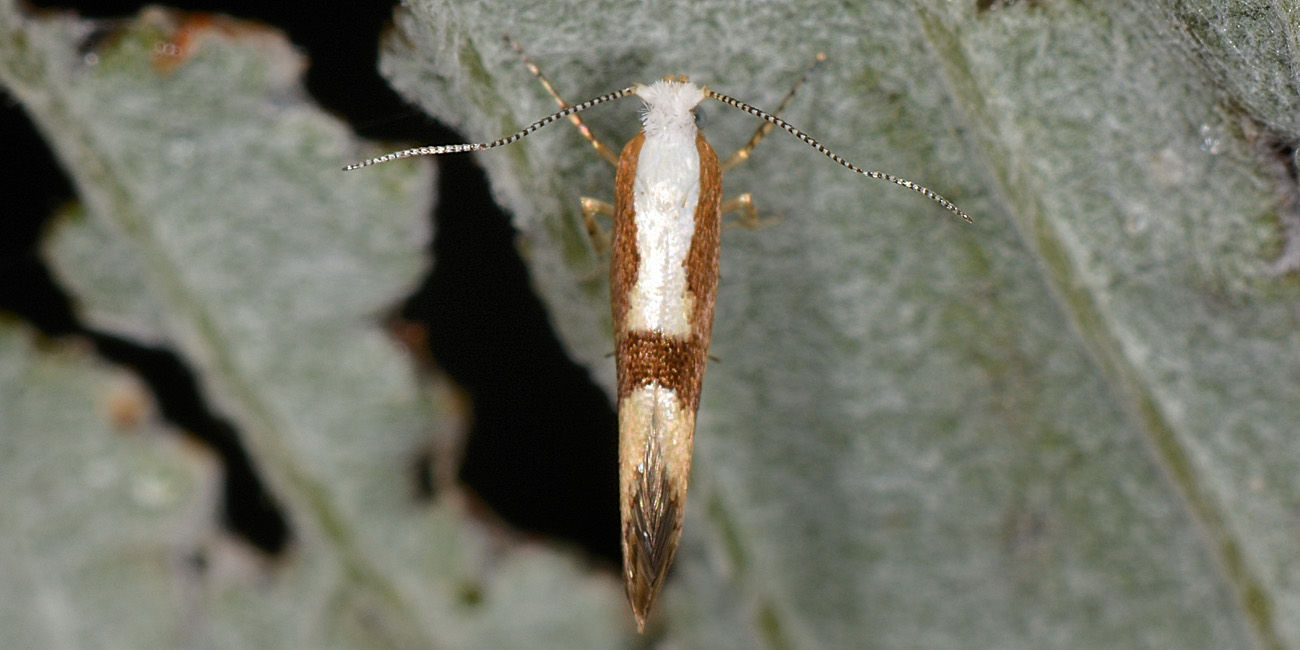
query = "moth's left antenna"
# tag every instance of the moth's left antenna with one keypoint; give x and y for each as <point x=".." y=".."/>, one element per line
<point x="478" y="146"/>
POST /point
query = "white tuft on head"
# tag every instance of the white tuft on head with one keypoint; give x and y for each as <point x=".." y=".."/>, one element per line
<point x="668" y="107"/>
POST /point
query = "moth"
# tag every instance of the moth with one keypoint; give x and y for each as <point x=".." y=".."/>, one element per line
<point x="663" y="251"/>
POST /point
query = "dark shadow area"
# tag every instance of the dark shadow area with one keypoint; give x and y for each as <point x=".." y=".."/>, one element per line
<point x="543" y="450"/>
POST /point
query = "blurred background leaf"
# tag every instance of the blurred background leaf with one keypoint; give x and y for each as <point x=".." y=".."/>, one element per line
<point x="215" y="220"/>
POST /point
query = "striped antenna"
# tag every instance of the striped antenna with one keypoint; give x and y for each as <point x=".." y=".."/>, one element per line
<point x="808" y="140"/>
<point x="479" y="146"/>
<point x="742" y="154"/>
<point x="601" y="149"/>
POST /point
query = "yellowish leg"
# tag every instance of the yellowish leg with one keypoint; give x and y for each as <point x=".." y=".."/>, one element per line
<point x="604" y="151"/>
<point x="748" y="217"/>
<point x="744" y="204"/>
<point x="590" y="207"/>
<point x="599" y="236"/>
<point x="743" y="154"/>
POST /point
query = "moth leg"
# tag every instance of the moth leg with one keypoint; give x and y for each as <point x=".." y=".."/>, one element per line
<point x="599" y="236"/>
<point x="748" y="214"/>
<point x="743" y="154"/>
<point x="604" y="151"/>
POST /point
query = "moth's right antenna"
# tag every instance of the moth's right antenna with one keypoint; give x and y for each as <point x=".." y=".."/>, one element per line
<point x="807" y="139"/>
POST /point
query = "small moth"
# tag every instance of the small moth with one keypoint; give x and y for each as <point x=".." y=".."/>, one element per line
<point x="667" y="215"/>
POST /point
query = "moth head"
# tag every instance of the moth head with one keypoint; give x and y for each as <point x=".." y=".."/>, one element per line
<point x="669" y="105"/>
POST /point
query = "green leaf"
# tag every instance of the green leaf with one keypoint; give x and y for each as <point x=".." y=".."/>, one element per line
<point x="103" y="508"/>
<point x="215" y="221"/>
<point x="1071" y="425"/>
